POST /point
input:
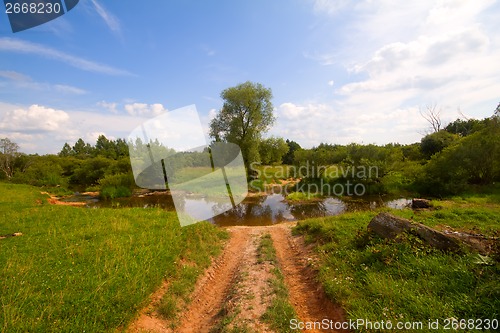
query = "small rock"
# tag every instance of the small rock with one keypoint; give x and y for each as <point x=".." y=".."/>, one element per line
<point x="420" y="203"/>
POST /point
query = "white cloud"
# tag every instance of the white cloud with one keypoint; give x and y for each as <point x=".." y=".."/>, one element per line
<point x="111" y="21"/>
<point x="14" y="76"/>
<point x="17" y="45"/>
<point x="22" y="81"/>
<point x="92" y="137"/>
<point x="330" y="7"/>
<point x="398" y="57"/>
<point x="41" y="129"/>
<point x="322" y="58"/>
<point x="34" y="118"/>
<point x="143" y="109"/>
<point x="430" y="69"/>
<point x="111" y="107"/>
<point x="209" y="51"/>
<point x="331" y="83"/>
<point x="63" y="88"/>
<point x="313" y="123"/>
<point x="212" y="113"/>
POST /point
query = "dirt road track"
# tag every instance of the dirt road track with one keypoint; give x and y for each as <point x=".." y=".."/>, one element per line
<point x="213" y="287"/>
<point x="239" y="255"/>
<point x="306" y="294"/>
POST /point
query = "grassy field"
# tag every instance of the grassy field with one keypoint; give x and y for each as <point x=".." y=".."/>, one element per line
<point x="379" y="280"/>
<point x="88" y="270"/>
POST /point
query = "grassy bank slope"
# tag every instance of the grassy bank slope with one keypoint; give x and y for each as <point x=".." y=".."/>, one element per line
<point x="87" y="270"/>
<point x="378" y="280"/>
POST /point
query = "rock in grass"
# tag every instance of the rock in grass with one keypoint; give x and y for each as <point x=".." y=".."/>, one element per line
<point x="420" y="203"/>
<point x="389" y="226"/>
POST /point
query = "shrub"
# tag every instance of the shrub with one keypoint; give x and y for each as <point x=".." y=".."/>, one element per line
<point x="117" y="185"/>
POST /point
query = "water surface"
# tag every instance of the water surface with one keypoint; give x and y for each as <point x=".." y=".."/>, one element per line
<point x="254" y="210"/>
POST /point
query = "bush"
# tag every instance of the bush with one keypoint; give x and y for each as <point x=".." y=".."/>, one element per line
<point x="90" y="171"/>
<point x="116" y="186"/>
<point x="434" y="143"/>
<point x="475" y="159"/>
<point x="42" y="171"/>
<point x="112" y="192"/>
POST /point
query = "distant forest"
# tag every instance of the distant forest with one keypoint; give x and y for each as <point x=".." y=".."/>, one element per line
<point x="463" y="155"/>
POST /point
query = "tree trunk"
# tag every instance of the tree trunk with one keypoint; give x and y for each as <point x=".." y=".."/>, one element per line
<point x="388" y="226"/>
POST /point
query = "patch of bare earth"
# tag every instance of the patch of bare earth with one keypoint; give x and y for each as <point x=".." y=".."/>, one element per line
<point x="306" y="294"/>
<point x="236" y="286"/>
<point x="148" y="321"/>
<point x="212" y="288"/>
<point x="53" y="200"/>
<point x="209" y="295"/>
<point x="250" y="296"/>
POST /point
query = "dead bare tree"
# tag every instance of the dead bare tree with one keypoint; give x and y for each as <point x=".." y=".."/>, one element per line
<point x="462" y="114"/>
<point x="9" y="151"/>
<point x="433" y="116"/>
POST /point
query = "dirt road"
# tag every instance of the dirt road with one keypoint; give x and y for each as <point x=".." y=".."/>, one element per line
<point x="237" y="284"/>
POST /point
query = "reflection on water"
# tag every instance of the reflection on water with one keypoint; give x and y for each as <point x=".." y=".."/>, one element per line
<point x="255" y="210"/>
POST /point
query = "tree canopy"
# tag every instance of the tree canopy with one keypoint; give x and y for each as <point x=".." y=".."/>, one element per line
<point x="272" y="150"/>
<point x="435" y="142"/>
<point x="292" y="148"/>
<point x="247" y="113"/>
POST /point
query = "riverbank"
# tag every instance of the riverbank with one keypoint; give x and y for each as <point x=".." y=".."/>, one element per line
<point x="406" y="281"/>
<point x="89" y="270"/>
<point x="95" y="269"/>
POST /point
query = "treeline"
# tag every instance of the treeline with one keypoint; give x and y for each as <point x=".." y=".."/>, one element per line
<point x="103" y="167"/>
<point x="112" y="149"/>
<point x="465" y="153"/>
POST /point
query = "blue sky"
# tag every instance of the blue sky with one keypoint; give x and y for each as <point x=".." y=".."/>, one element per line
<point x="341" y="71"/>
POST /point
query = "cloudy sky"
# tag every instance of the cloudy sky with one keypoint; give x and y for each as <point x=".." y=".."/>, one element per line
<point x="341" y="71"/>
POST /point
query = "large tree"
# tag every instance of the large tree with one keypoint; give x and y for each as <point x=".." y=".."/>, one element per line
<point x="9" y="151"/>
<point x="246" y="114"/>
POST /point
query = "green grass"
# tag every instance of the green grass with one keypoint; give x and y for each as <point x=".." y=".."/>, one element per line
<point x="227" y="316"/>
<point x="408" y="281"/>
<point x="302" y="196"/>
<point x="280" y="312"/>
<point x="268" y="174"/>
<point x="77" y="269"/>
<point x="203" y="180"/>
<point x="476" y="215"/>
<point x="274" y="173"/>
<point x="201" y="245"/>
<point x="265" y="250"/>
<point x="224" y="326"/>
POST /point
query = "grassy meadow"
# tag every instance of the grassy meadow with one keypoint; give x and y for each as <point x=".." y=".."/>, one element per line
<point x="378" y="279"/>
<point x="89" y="270"/>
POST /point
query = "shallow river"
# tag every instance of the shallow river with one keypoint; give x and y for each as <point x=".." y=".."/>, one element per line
<point x="257" y="210"/>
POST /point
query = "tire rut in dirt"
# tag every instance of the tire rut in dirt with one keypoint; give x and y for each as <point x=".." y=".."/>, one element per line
<point x="212" y="289"/>
<point x="306" y="294"/>
<point x="250" y="295"/>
